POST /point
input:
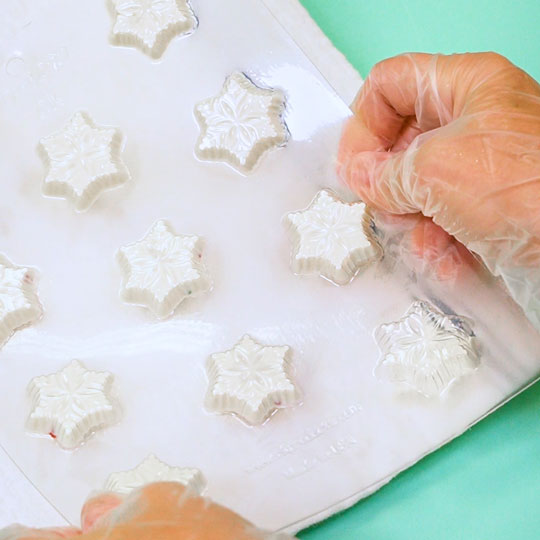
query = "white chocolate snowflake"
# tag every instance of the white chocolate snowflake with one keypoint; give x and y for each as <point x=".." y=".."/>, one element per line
<point x="154" y="470"/>
<point x="426" y="349"/>
<point x="19" y="303"/>
<point x="332" y="238"/>
<point x="150" y="25"/>
<point x="250" y="380"/>
<point x="162" y="269"/>
<point x="241" y="124"/>
<point x="82" y="160"/>
<point x="71" y="405"/>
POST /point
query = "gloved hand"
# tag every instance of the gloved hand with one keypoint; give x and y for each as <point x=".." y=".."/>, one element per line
<point x="456" y="138"/>
<point x="162" y="511"/>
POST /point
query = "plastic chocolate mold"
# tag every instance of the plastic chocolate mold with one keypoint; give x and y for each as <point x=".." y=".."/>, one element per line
<point x="240" y="124"/>
<point x="72" y="404"/>
<point x="251" y="381"/>
<point x="426" y="349"/>
<point x="82" y="160"/>
<point x="162" y="269"/>
<point x="154" y="470"/>
<point x="332" y="238"/>
<point x="19" y="303"/>
<point x="150" y="25"/>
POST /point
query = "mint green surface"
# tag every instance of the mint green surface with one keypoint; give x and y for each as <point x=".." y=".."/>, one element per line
<point x="486" y="484"/>
<point x="367" y="31"/>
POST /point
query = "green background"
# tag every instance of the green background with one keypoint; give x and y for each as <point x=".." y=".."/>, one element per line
<point x="486" y="484"/>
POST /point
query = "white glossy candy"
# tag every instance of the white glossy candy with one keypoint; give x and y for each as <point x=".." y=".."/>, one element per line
<point x="426" y="350"/>
<point x="162" y="269"/>
<point x="150" y="25"/>
<point x="19" y="303"/>
<point x="154" y="470"/>
<point x="82" y="160"/>
<point x="250" y="380"/>
<point x="71" y="404"/>
<point x="240" y="124"/>
<point x="332" y="238"/>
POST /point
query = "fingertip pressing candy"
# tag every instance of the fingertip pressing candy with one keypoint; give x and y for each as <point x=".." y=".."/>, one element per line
<point x="151" y="470"/>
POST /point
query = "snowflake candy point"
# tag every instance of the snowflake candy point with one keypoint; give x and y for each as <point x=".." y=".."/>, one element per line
<point x="150" y="25"/>
<point x="71" y="404"/>
<point x="152" y="469"/>
<point x="19" y="302"/>
<point x="426" y="350"/>
<point x="241" y="124"/>
<point x="81" y="161"/>
<point x="162" y="269"/>
<point x="251" y="381"/>
<point x="332" y="238"/>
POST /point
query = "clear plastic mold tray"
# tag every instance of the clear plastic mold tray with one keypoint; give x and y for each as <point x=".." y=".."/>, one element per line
<point x="353" y="431"/>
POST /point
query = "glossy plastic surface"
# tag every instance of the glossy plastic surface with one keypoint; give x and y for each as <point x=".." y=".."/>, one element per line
<point x="352" y="432"/>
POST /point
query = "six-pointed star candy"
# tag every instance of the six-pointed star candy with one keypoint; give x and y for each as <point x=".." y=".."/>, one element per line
<point x="154" y="470"/>
<point x="19" y="303"/>
<point x="150" y="25"/>
<point x="240" y="124"/>
<point x="250" y="380"/>
<point x="162" y="269"/>
<point x="81" y="161"/>
<point x="332" y="238"/>
<point x="426" y="349"/>
<point x="71" y="404"/>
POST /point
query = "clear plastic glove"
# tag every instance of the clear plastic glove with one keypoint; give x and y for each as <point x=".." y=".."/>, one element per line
<point x="161" y="511"/>
<point x="456" y="138"/>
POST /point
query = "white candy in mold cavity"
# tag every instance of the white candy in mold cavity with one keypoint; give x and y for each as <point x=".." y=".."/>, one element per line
<point x="251" y="381"/>
<point x="19" y="303"/>
<point x="72" y="404"/>
<point x="426" y="350"/>
<point x="152" y="470"/>
<point x="162" y="269"/>
<point x="240" y="124"/>
<point x="332" y="238"/>
<point x="150" y="25"/>
<point x="82" y="160"/>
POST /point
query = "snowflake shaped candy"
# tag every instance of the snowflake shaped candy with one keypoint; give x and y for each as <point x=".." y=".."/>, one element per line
<point x="154" y="470"/>
<point x="332" y="238"/>
<point x="162" y="269"/>
<point x="150" y="25"/>
<point x="71" y="404"/>
<point x="81" y="161"/>
<point x="19" y="303"/>
<point x="426" y="349"/>
<point x="240" y="124"/>
<point x="250" y="380"/>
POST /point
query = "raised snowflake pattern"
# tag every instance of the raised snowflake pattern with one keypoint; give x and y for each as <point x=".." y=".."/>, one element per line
<point x="81" y="161"/>
<point x="150" y="25"/>
<point x="70" y="405"/>
<point x="162" y="269"/>
<point x="154" y="470"/>
<point x="240" y="124"/>
<point x="426" y="349"/>
<point x="19" y="303"/>
<point x="251" y="381"/>
<point x="332" y="238"/>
